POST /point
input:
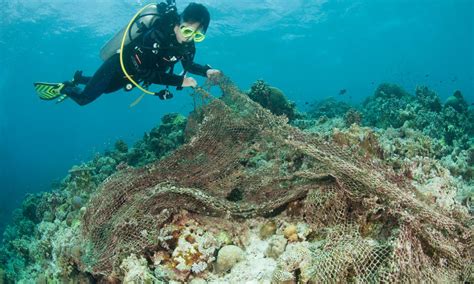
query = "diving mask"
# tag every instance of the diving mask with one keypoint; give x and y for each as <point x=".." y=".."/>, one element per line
<point x="188" y="32"/>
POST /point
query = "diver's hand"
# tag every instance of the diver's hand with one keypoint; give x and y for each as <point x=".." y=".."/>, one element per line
<point x="189" y="82"/>
<point x="212" y="72"/>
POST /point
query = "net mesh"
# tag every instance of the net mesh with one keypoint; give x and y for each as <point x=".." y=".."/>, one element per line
<point x="241" y="161"/>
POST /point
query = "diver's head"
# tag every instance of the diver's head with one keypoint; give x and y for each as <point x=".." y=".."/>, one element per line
<point x="194" y="23"/>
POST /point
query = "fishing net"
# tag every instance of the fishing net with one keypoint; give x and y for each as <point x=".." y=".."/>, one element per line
<point x="241" y="161"/>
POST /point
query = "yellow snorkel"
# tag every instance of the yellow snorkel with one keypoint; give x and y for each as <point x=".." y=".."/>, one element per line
<point x="121" y="52"/>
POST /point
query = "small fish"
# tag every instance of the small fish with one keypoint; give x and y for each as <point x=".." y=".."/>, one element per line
<point x="372" y="83"/>
<point x="342" y="92"/>
<point x="427" y="75"/>
<point x="306" y="103"/>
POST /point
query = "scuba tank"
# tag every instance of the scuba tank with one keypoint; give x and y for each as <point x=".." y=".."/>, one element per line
<point x="149" y="17"/>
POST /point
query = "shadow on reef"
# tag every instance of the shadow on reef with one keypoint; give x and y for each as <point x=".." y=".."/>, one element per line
<point x="247" y="195"/>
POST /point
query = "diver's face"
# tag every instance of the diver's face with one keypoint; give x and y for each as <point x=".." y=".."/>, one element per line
<point x="179" y="35"/>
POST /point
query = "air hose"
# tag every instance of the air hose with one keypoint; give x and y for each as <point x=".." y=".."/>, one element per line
<point x="121" y="53"/>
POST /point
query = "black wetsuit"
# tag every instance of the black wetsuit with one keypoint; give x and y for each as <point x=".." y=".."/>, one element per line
<point x="150" y="58"/>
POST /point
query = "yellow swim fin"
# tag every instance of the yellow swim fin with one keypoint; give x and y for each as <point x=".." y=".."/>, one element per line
<point x="49" y="91"/>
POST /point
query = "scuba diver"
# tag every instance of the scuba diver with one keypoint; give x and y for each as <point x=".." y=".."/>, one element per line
<point x="141" y="54"/>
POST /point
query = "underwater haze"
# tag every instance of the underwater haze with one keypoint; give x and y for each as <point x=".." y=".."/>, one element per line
<point x="311" y="50"/>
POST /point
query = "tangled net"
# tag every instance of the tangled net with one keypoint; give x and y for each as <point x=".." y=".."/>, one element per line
<point x="241" y="161"/>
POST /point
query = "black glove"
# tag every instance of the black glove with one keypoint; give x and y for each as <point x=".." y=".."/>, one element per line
<point x="164" y="94"/>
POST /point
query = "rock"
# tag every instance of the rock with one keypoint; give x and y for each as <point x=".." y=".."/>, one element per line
<point x="198" y="281"/>
<point x="276" y="246"/>
<point x="267" y="230"/>
<point x="228" y="256"/>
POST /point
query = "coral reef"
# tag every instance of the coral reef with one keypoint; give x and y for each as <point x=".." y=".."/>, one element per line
<point x="329" y="107"/>
<point x="273" y="99"/>
<point x="188" y="248"/>
<point x="352" y="117"/>
<point x="428" y="99"/>
<point x="160" y="141"/>
<point x="136" y="270"/>
<point x="444" y="132"/>
<point x="457" y="102"/>
<point x="234" y="194"/>
<point x="388" y="107"/>
<point x="217" y="175"/>
<point x="45" y="227"/>
<point x="2" y="276"/>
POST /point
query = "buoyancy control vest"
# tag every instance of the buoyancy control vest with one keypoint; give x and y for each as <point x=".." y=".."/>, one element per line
<point x="153" y="15"/>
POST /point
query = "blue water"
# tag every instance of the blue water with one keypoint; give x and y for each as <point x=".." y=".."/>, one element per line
<point x="309" y="49"/>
